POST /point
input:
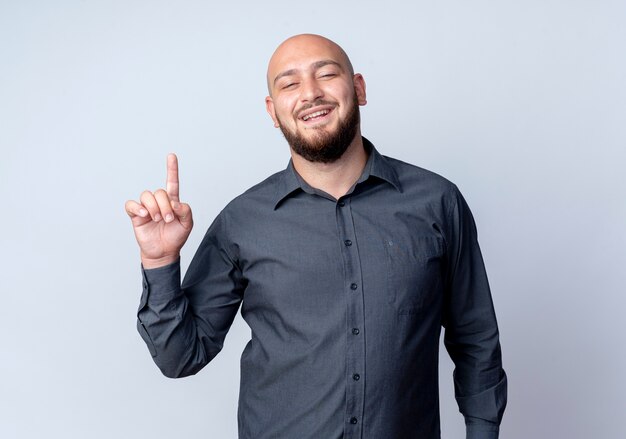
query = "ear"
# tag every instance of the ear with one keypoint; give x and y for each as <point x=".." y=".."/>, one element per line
<point x="359" y="88"/>
<point x="269" y="107"/>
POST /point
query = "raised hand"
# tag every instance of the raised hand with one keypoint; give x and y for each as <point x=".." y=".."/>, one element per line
<point x="161" y="222"/>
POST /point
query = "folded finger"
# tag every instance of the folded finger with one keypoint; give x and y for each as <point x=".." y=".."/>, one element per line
<point x="163" y="200"/>
<point x="183" y="212"/>
<point x="133" y="209"/>
<point x="151" y="205"/>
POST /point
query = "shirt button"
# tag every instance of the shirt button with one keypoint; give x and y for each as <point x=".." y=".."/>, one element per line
<point x="353" y="420"/>
<point x="353" y="286"/>
<point x="341" y="204"/>
<point x="356" y="377"/>
<point x="347" y="242"/>
<point x="355" y="331"/>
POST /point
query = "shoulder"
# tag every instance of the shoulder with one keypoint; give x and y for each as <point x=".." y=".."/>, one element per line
<point x="265" y="188"/>
<point x="415" y="178"/>
<point x="256" y="199"/>
<point x="247" y="211"/>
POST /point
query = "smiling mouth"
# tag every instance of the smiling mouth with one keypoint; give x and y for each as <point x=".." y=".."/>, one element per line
<point x="316" y="116"/>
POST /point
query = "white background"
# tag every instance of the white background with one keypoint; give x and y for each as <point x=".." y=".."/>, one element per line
<point x="521" y="104"/>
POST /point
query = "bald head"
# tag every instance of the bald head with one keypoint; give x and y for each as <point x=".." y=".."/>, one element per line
<point x="291" y="53"/>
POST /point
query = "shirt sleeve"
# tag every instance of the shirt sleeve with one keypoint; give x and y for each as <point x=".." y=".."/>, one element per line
<point x="184" y="326"/>
<point x="471" y="331"/>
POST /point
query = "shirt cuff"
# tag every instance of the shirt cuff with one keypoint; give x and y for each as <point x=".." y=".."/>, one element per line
<point x="479" y="431"/>
<point x="161" y="284"/>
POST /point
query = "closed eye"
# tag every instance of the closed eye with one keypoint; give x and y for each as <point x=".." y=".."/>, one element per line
<point x="289" y="85"/>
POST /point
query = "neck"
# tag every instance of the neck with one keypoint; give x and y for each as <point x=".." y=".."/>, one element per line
<point x="338" y="177"/>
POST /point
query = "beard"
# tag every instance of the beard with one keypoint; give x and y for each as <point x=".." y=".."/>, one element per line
<point x="325" y="147"/>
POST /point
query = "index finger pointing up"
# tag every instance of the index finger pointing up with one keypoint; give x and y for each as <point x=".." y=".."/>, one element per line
<point x="171" y="186"/>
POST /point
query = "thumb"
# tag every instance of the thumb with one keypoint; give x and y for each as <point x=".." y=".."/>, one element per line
<point x="183" y="212"/>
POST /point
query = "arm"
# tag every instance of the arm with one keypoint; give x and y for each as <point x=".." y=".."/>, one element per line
<point x="471" y="331"/>
<point x="184" y="327"/>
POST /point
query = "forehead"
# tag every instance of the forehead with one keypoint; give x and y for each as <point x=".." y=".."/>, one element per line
<point x="304" y="53"/>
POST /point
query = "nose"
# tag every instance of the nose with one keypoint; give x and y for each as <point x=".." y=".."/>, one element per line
<point x="311" y="90"/>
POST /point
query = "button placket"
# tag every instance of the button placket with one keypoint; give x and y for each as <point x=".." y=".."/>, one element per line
<point x="355" y="346"/>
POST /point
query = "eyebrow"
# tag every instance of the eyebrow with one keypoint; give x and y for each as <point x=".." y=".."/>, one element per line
<point x="316" y="65"/>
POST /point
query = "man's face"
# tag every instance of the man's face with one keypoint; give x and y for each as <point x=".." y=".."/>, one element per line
<point x="314" y="97"/>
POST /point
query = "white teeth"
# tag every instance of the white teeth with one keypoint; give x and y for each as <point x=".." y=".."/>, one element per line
<point x="316" y="114"/>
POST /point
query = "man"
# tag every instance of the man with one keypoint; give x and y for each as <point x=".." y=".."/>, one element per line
<point x="346" y="265"/>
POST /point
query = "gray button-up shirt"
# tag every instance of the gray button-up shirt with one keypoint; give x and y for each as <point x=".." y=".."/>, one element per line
<point x="345" y="300"/>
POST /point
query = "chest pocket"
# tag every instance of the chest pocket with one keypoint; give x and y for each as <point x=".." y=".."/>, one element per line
<point x="414" y="271"/>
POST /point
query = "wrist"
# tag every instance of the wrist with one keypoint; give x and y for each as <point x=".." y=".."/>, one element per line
<point x="150" y="263"/>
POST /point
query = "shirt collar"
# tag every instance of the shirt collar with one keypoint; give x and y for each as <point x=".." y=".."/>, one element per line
<point x="376" y="166"/>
